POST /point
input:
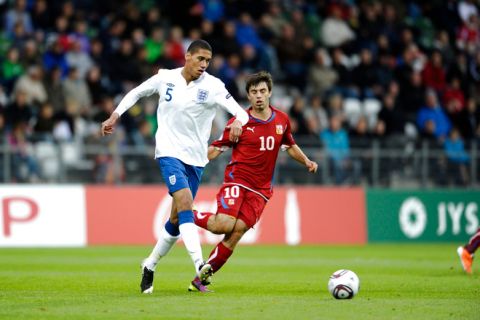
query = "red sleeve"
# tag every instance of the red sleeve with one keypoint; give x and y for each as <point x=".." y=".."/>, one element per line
<point x="224" y="140"/>
<point x="288" y="137"/>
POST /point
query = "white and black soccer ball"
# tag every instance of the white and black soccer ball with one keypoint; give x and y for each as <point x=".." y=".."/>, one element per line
<point x="343" y="284"/>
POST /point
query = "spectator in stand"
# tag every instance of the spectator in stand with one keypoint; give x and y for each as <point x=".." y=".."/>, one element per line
<point x="365" y="76"/>
<point x="43" y="128"/>
<point x="229" y="72"/>
<point x="76" y="91"/>
<point x="434" y="75"/>
<point x="55" y="57"/>
<point x="99" y="57"/>
<point x="79" y="35"/>
<point x="468" y="121"/>
<point x="30" y="54"/>
<point x="97" y="84"/>
<point x="335" y="31"/>
<point x="79" y="59"/>
<point x="467" y="8"/>
<point x="460" y="69"/>
<point x="298" y="119"/>
<point x="390" y="118"/>
<point x="54" y="88"/>
<point x="41" y="16"/>
<point x="18" y="14"/>
<point x="412" y="97"/>
<point x="316" y="115"/>
<point x="246" y="32"/>
<point x="457" y="158"/>
<point x="228" y="44"/>
<point x="174" y="47"/>
<point x="468" y="35"/>
<point x="155" y="44"/>
<point x="321" y="77"/>
<point x="213" y="10"/>
<point x="453" y="97"/>
<point x="252" y="60"/>
<point x="11" y="69"/>
<point x="337" y="147"/>
<point x="443" y="45"/>
<point x="292" y="57"/>
<point x="123" y="72"/>
<point x="31" y="84"/>
<point x="432" y="121"/>
<point x="19" y="110"/>
<point x="26" y="168"/>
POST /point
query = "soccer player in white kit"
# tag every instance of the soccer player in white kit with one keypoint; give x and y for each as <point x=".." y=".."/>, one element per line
<point x="189" y="98"/>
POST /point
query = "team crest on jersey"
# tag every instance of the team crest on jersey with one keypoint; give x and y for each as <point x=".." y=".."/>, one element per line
<point x="202" y="95"/>
<point x="231" y="202"/>
<point x="279" y="129"/>
<point x="172" y="179"/>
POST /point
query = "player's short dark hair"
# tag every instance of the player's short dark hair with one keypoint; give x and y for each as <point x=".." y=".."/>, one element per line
<point x="254" y="79"/>
<point x="199" y="44"/>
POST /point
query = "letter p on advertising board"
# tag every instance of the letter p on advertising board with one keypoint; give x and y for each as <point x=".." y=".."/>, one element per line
<point x="39" y="216"/>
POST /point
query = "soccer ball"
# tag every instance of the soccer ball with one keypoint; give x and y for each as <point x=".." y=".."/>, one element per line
<point x="343" y="284"/>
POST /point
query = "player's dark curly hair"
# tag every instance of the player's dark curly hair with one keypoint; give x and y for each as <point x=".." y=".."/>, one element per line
<point x="199" y="44"/>
<point x="254" y="79"/>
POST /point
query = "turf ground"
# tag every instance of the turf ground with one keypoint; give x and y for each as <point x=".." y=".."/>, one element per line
<point x="260" y="282"/>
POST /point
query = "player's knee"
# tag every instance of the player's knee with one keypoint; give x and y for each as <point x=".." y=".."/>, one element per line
<point x="223" y="227"/>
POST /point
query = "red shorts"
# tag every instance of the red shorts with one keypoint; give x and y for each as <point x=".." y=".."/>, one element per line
<point x="240" y="203"/>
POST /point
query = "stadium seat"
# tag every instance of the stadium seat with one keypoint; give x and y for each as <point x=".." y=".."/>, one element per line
<point x="352" y="109"/>
<point x="47" y="155"/>
<point x="371" y="108"/>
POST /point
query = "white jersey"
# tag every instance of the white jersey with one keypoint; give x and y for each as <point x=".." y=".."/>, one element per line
<point x="185" y="113"/>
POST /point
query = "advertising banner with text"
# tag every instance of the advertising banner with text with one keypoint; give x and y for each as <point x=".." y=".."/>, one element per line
<point x="42" y="216"/>
<point x="297" y="215"/>
<point x="423" y="216"/>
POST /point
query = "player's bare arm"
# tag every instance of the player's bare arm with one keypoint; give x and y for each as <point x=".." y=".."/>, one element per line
<point x="213" y="152"/>
<point x="296" y="153"/>
<point x="108" y="126"/>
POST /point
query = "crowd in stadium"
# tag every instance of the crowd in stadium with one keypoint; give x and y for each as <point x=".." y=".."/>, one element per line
<point x="347" y="72"/>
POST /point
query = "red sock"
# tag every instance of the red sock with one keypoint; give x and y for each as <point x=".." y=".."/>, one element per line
<point x="201" y="218"/>
<point x="474" y="242"/>
<point x="219" y="256"/>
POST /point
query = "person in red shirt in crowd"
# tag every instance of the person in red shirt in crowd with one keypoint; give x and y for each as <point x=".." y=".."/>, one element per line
<point x="434" y="75"/>
<point x="247" y="185"/>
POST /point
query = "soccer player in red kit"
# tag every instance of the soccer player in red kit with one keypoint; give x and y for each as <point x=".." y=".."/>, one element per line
<point x="467" y="251"/>
<point x="248" y="177"/>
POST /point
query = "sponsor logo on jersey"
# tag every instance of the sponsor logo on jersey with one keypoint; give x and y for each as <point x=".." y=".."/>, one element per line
<point x="202" y="95"/>
<point x="172" y="179"/>
<point x="279" y="129"/>
<point x="228" y="96"/>
<point x="231" y="202"/>
<point x="200" y="215"/>
<point x="251" y="129"/>
<point x="171" y="85"/>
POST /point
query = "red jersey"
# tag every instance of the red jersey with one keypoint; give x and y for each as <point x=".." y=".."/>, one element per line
<point x="254" y="156"/>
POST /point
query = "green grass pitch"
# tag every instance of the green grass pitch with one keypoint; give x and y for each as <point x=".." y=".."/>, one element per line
<point x="259" y="282"/>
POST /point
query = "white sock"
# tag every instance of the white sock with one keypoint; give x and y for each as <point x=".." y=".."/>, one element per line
<point x="164" y="243"/>
<point x="189" y="232"/>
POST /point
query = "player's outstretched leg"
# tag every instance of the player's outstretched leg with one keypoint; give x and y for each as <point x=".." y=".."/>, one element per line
<point x="466" y="259"/>
<point x="466" y="253"/>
